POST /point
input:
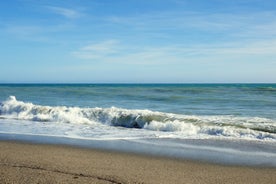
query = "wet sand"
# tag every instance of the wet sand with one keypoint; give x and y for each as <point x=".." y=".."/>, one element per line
<point x="40" y="163"/>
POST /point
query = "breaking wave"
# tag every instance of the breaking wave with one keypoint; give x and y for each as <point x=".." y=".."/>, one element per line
<point x="224" y="126"/>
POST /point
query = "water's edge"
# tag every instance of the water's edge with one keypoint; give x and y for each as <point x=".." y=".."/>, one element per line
<point x="223" y="152"/>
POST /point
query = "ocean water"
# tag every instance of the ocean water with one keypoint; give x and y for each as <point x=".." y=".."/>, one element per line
<point x="229" y="123"/>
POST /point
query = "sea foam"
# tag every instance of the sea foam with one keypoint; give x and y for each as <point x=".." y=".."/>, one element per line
<point x="178" y="124"/>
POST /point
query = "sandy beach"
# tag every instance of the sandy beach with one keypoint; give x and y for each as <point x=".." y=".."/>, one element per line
<point x="33" y="163"/>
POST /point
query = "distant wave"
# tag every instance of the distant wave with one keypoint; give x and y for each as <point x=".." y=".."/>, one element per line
<point x="224" y="126"/>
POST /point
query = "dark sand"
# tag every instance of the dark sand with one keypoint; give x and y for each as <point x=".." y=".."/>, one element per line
<point x="32" y="163"/>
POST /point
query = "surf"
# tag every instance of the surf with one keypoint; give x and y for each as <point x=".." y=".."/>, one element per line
<point x="186" y="125"/>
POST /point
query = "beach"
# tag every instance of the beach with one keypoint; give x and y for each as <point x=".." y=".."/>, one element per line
<point x="43" y="163"/>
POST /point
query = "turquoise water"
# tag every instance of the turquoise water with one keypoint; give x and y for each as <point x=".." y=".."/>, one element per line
<point x="255" y="100"/>
<point x="163" y="118"/>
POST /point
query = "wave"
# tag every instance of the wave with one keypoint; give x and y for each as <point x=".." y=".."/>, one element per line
<point x="225" y="126"/>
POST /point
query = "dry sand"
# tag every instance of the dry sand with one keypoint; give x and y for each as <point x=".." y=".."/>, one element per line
<point x="32" y="163"/>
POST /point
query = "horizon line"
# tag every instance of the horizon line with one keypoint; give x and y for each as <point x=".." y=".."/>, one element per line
<point x="137" y="83"/>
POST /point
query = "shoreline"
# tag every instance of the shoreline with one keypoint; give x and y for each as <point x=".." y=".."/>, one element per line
<point x="22" y="162"/>
<point x="220" y="152"/>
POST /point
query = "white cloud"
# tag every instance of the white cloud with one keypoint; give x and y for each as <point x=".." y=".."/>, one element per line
<point x="66" y="12"/>
<point x="98" y="50"/>
<point x="26" y="32"/>
<point x="240" y="36"/>
<point x="35" y="32"/>
<point x="253" y="25"/>
<point x="113" y="51"/>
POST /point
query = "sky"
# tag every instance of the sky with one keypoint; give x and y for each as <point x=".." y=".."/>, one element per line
<point x="138" y="41"/>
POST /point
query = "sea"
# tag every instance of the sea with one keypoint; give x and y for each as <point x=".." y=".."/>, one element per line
<point x="220" y="123"/>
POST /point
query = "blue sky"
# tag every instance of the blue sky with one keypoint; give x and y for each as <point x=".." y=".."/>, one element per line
<point x="138" y="41"/>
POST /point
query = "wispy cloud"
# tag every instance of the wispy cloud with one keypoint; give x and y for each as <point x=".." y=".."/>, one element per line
<point x="26" y="32"/>
<point x="98" y="50"/>
<point x="257" y="24"/>
<point x="114" y="51"/>
<point x="34" y="32"/>
<point x="66" y="12"/>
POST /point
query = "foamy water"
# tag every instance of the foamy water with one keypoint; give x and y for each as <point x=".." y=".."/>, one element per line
<point x="165" y="126"/>
<point x="83" y="122"/>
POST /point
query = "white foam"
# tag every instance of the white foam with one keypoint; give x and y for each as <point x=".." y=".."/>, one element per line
<point x="84" y="122"/>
